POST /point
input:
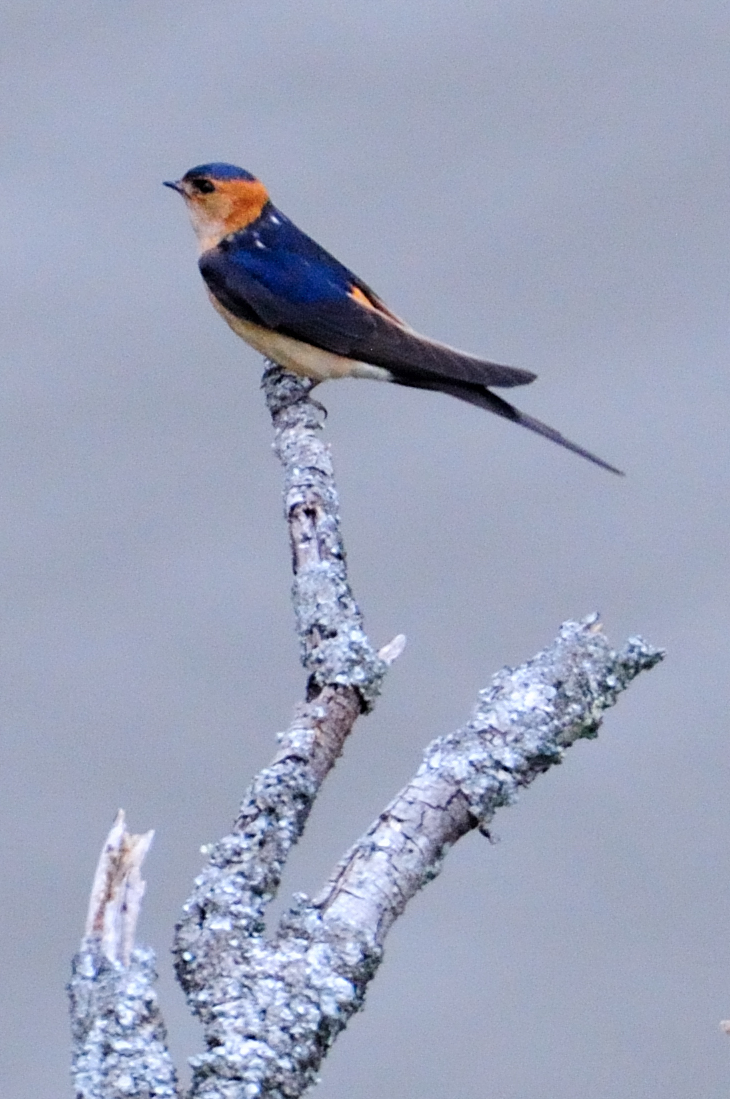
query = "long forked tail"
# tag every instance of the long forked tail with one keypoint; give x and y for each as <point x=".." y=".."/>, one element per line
<point x="484" y="398"/>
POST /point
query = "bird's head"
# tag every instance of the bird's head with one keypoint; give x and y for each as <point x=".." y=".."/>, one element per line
<point x="221" y="199"/>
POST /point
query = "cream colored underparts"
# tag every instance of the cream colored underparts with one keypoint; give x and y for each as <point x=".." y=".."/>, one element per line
<point x="300" y="358"/>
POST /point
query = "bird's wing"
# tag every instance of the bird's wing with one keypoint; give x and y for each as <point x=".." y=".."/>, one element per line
<point x="311" y="297"/>
<point x="306" y="294"/>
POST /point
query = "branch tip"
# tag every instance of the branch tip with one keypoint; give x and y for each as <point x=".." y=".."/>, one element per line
<point x="390" y="652"/>
<point x="117" y="891"/>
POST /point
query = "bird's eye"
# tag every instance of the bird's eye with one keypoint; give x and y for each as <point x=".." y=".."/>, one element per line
<point x="203" y="186"/>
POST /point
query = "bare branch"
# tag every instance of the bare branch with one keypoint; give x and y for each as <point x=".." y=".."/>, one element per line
<point x="271" y="1007"/>
<point x="119" y="1038"/>
<point x="334" y="648"/>
<point x="522" y="725"/>
<point x="345" y="674"/>
<point x="117" y="891"/>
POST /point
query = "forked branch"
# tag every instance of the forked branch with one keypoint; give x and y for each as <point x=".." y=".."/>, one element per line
<point x="272" y="1006"/>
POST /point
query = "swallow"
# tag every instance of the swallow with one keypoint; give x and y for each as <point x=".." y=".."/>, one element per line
<point x="305" y="311"/>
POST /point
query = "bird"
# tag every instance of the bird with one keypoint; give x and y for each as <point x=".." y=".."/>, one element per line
<point x="306" y="312"/>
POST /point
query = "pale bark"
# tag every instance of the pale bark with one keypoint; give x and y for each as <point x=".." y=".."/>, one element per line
<point x="271" y="1007"/>
<point x="118" y="1034"/>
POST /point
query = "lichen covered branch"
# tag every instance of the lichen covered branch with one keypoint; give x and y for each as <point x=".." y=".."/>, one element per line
<point x="521" y="726"/>
<point x="119" y="1042"/>
<point x="334" y="647"/>
<point x="271" y="1006"/>
<point x="345" y="677"/>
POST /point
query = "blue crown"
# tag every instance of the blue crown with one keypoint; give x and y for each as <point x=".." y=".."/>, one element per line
<point x="219" y="171"/>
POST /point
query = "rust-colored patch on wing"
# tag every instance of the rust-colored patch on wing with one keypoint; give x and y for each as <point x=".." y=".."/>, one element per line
<point x="356" y="293"/>
<point x="372" y="301"/>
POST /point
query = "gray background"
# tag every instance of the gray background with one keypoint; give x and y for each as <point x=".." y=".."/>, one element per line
<point x="544" y="183"/>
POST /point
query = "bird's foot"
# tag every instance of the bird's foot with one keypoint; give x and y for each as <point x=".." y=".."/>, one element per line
<point x="284" y="389"/>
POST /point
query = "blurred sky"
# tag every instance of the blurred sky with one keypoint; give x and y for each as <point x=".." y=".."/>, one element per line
<point x="545" y="184"/>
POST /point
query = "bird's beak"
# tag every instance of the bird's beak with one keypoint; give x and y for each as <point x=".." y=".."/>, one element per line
<point x="175" y="184"/>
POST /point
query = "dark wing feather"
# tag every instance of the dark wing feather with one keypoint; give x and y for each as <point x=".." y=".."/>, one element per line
<point x="305" y="299"/>
<point x="482" y="398"/>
